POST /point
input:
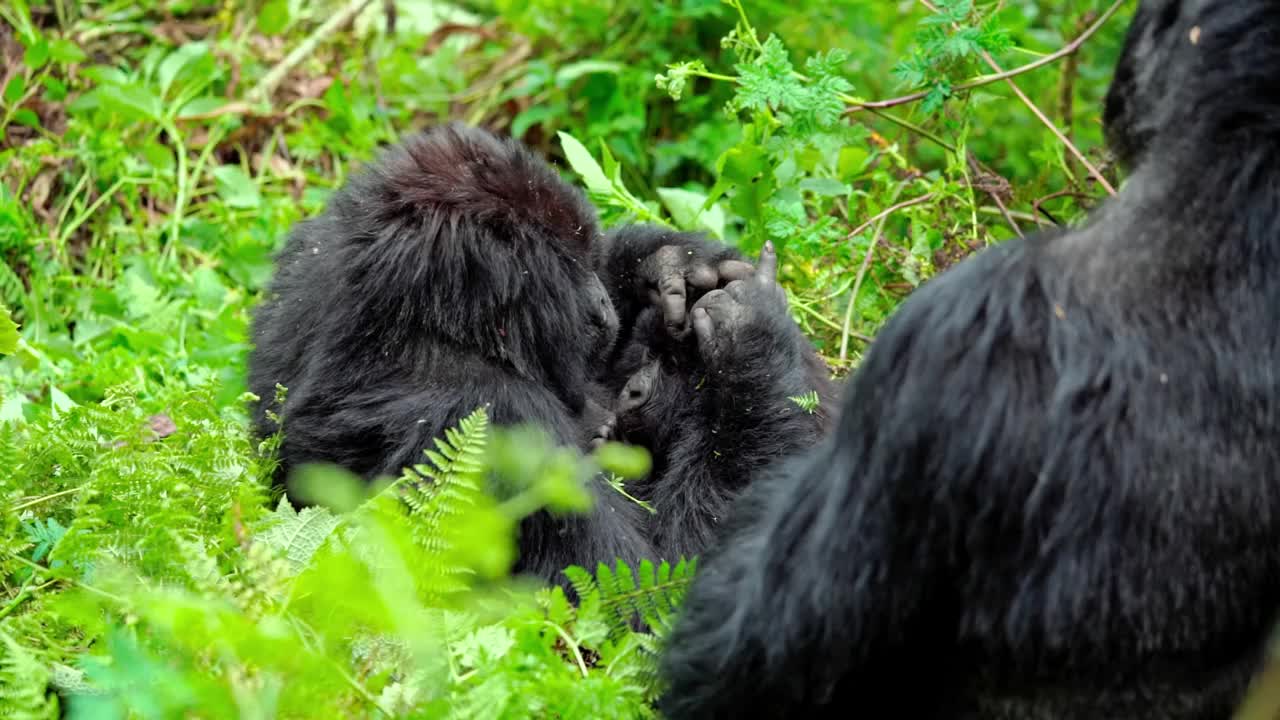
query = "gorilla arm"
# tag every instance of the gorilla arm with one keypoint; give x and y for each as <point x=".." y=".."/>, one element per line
<point x="713" y="424"/>
<point x="810" y="582"/>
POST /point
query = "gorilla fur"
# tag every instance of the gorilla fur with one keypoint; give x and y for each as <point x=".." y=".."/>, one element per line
<point x="714" y="411"/>
<point x="455" y="271"/>
<point x="460" y="270"/>
<point x="1052" y="491"/>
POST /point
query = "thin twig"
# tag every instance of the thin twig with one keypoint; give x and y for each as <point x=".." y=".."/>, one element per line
<point x="1015" y="214"/>
<point x="879" y="219"/>
<point x="1053" y="128"/>
<point x="1039" y="202"/>
<point x="1039" y="113"/>
<point x="1068" y="49"/>
<point x="887" y="212"/>
<point x="44" y="498"/>
<point x="977" y="169"/>
<point x="912" y="127"/>
<point x="265" y="87"/>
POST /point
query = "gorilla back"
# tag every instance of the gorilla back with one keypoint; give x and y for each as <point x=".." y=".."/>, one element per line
<point x="1052" y="492"/>
<point x="455" y="271"/>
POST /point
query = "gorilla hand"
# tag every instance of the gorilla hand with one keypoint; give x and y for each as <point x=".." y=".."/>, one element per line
<point x="676" y="275"/>
<point x="723" y="319"/>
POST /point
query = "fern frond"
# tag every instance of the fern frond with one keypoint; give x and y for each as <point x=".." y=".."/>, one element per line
<point x="24" y="681"/>
<point x="807" y="402"/>
<point x="434" y="494"/>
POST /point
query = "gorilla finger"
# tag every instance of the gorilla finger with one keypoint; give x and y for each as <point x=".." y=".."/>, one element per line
<point x="737" y="290"/>
<point x="703" y="277"/>
<point x="715" y="300"/>
<point x="665" y="262"/>
<point x="768" y="270"/>
<point x="672" y="302"/>
<point x="703" y="329"/>
<point x="730" y="270"/>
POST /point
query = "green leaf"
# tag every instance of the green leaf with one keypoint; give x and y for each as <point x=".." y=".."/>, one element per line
<point x="183" y="61"/>
<point x="585" y="165"/>
<point x="8" y="332"/>
<point x="133" y="101"/>
<point x="27" y="117"/>
<point x="37" y="54"/>
<point x="573" y="71"/>
<point x="625" y="460"/>
<point x="11" y="410"/>
<point x="827" y="187"/>
<point x="236" y="187"/>
<point x="533" y="115"/>
<point x="686" y="208"/>
<point x="200" y="106"/>
<point x="13" y="91"/>
<point x="484" y="646"/>
<point x="59" y="402"/>
<point x="273" y="18"/>
<point x="55" y="90"/>
<point x="66" y="52"/>
<point x="852" y="160"/>
<point x="328" y="485"/>
<point x="808" y="401"/>
<point x="298" y="535"/>
<point x="208" y="289"/>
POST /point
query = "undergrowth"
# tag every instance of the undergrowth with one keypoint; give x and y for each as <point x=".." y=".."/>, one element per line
<point x="154" y="154"/>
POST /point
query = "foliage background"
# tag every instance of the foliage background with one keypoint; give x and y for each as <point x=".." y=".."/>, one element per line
<point x="154" y="154"/>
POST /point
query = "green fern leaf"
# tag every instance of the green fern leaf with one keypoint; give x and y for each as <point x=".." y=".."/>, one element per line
<point x="298" y="535"/>
<point x="24" y="681"/>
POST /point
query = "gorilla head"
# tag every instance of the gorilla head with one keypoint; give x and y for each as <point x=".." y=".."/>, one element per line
<point x="1160" y="83"/>
<point x="474" y="242"/>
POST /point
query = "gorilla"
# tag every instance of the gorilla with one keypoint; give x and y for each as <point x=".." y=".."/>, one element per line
<point x="460" y="270"/>
<point x="1052" y="489"/>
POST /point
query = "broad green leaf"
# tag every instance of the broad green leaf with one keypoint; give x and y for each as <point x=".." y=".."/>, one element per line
<point x="37" y="54"/>
<point x="200" y="106"/>
<point x="133" y="101"/>
<point x="13" y="91"/>
<point x="186" y="58"/>
<point x="273" y="17"/>
<point x="686" y="208"/>
<point x="828" y="187"/>
<point x="27" y="117"/>
<point x="65" y="52"/>
<point x="585" y="165"/>
<point x="236" y="187"/>
<point x="531" y="116"/>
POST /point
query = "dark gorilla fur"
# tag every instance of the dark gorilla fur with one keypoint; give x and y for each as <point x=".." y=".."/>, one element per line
<point x="460" y="270"/>
<point x="1052" y="491"/>
<point x="712" y="420"/>
<point x="455" y="271"/>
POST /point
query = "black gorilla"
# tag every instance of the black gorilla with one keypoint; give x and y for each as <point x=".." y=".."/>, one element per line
<point x="1052" y="491"/>
<point x="460" y="270"/>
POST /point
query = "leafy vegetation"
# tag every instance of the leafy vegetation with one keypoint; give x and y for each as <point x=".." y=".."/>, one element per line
<point x="154" y="154"/>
